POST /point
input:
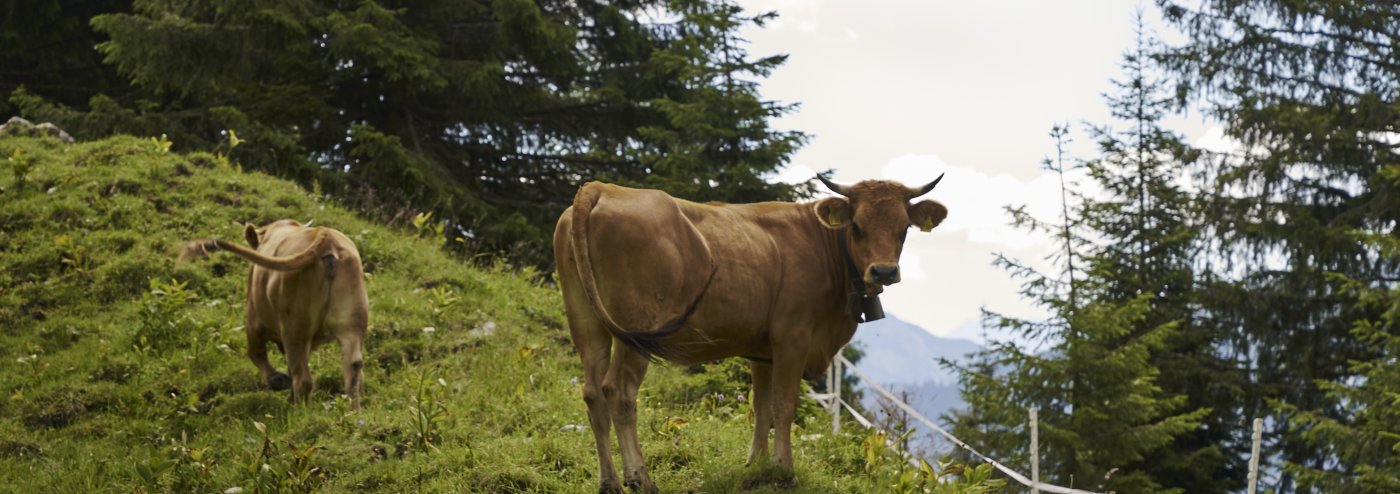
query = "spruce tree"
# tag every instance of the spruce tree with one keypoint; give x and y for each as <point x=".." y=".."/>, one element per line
<point x="1363" y="444"/>
<point x="1102" y="413"/>
<point x="1309" y="91"/>
<point x="46" y="47"/>
<point x="1147" y="239"/>
<point x="489" y="112"/>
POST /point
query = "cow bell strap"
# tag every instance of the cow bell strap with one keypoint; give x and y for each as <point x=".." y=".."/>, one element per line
<point x="862" y="306"/>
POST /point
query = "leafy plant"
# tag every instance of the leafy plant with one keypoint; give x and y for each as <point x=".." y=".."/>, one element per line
<point x="164" y="321"/>
<point x="427" y="410"/>
<point x="20" y="166"/>
<point x="425" y="227"/>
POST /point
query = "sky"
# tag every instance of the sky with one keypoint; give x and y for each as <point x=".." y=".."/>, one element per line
<point x="907" y="90"/>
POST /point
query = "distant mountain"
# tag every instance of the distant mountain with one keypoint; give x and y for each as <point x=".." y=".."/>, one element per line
<point x="899" y="352"/>
<point x="904" y="357"/>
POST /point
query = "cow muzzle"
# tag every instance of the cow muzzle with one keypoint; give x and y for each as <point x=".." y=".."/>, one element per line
<point x="882" y="274"/>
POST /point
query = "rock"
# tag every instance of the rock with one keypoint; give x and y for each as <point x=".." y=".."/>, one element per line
<point x="17" y="126"/>
<point x="482" y="331"/>
<point x="52" y="130"/>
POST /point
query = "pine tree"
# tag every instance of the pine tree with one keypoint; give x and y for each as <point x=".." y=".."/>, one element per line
<point x="489" y="112"/>
<point x="1364" y="443"/>
<point x="46" y="48"/>
<point x="1101" y="411"/>
<point x="1309" y="90"/>
<point x="1147" y="241"/>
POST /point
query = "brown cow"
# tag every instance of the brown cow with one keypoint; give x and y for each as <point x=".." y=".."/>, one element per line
<point x="780" y="284"/>
<point x="306" y="288"/>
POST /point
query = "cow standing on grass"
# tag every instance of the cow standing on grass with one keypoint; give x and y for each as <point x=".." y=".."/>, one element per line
<point x="783" y="285"/>
<point x="306" y="288"/>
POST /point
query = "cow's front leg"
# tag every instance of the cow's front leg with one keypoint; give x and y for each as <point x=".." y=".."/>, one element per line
<point x="788" y="362"/>
<point x="620" y="386"/>
<point x="762" y="373"/>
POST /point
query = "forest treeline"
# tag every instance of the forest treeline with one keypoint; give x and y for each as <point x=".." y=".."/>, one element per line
<point x="1192" y="289"/>
<point x="489" y="113"/>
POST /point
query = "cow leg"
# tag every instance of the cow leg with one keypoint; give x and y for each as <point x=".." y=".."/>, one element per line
<point x="620" y="387"/>
<point x="352" y="366"/>
<point x="762" y="373"/>
<point x="257" y="352"/>
<point x="595" y="354"/>
<point x="788" y="361"/>
<point x="299" y="366"/>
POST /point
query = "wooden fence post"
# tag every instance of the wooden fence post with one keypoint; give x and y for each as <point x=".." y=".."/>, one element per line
<point x="1254" y="456"/>
<point x="1035" y="451"/>
<point x="835" y="390"/>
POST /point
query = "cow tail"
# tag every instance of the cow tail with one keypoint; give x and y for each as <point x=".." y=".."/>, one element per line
<point x="647" y="343"/>
<point x="199" y="249"/>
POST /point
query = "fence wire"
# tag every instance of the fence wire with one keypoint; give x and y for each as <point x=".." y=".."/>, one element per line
<point x="923" y="420"/>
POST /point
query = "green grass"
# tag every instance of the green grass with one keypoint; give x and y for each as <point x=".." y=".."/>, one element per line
<point x="122" y="372"/>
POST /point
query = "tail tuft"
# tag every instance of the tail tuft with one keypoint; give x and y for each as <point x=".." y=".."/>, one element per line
<point x="197" y="249"/>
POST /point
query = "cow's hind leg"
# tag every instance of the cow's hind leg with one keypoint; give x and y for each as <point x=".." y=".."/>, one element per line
<point x="594" y="345"/>
<point x="624" y="377"/>
<point x="352" y="366"/>
<point x="299" y="366"/>
<point x="762" y="409"/>
<point x="257" y="352"/>
<point x="348" y="319"/>
<point x="596" y="354"/>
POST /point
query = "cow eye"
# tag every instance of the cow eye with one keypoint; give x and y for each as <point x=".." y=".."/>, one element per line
<point x="855" y="229"/>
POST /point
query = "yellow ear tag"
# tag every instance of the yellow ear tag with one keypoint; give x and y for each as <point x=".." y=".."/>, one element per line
<point x="927" y="225"/>
<point x="832" y="219"/>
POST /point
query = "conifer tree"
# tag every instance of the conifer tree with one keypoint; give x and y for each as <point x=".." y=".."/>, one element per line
<point x="1309" y="91"/>
<point x="489" y="112"/>
<point x="46" y="48"/>
<point x="1146" y="243"/>
<point x="1102" y="413"/>
<point x="1363" y="444"/>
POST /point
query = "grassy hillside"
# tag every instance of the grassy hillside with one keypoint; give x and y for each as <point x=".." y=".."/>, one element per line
<point x="122" y="372"/>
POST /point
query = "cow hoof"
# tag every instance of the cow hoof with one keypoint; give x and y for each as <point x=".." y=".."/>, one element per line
<point x="770" y="476"/>
<point x="610" y="488"/>
<point x="642" y="485"/>
<point x="280" y="381"/>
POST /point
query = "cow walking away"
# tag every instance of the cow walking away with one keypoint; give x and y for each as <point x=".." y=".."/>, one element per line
<point x="646" y="275"/>
<point x="306" y="288"/>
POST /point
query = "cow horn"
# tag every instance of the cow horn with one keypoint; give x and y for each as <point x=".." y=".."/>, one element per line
<point x="925" y="189"/>
<point x="843" y="190"/>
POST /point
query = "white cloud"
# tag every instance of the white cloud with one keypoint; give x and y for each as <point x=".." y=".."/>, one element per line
<point x="794" y="174"/>
<point x="803" y="14"/>
<point x="977" y="201"/>
<point x="1215" y="140"/>
<point x="911" y="267"/>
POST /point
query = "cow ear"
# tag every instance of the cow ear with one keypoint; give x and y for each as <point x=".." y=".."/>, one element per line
<point x="927" y="214"/>
<point x="833" y="212"/>
<point x="250" y="233"/>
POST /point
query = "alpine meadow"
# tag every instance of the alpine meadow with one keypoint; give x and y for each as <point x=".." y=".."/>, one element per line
<point x="540" y="246"/>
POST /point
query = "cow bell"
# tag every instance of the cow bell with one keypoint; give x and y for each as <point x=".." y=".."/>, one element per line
<point x="866" y="307"/>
